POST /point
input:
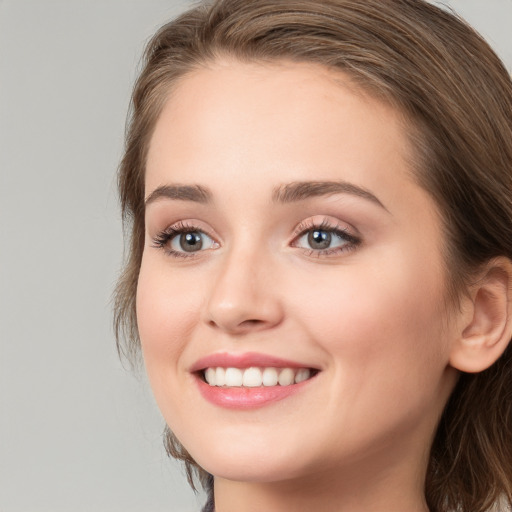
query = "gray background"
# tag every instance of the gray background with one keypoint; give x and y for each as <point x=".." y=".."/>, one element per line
<point x="77" y="431"/>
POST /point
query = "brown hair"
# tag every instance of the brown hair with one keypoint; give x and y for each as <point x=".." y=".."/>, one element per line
<point x="457" y="97"/>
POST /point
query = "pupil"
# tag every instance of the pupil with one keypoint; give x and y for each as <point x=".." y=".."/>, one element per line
<point x="319" y="239"/>
<point x="191" y="242"/>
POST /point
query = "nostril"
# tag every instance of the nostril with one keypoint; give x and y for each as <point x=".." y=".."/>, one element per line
<point x="251" y="325"/>
<point x="251" y="322"/>
<point x="243" y="326"/>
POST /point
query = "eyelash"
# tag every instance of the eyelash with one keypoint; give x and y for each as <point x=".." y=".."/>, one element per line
<point x="162" y="239"/>
<point x="305" y="227"/>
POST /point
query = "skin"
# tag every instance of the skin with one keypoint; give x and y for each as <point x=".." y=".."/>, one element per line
<point x="370" y="317"/>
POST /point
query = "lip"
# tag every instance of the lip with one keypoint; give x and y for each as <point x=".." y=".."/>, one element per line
<point x="245" y="360"/>
<point x="247" y="398"/>
<point x="244" y="397"/>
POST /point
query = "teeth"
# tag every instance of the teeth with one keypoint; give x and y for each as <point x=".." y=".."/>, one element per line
<point x="220" y="376"/>
<point x="252" y="378"/>
<point x="286" y="377"/>
<point x="255" y="377"/>
<point x="270" y="377"/>
<point x="302" y="374"/>
<point x="234" y="377"/>
<point x="209" y="375"/>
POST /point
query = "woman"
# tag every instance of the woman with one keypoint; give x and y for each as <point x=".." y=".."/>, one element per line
<point x="320" y="271"/>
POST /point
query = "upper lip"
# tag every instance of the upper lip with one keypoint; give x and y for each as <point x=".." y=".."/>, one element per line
<point x="244" y="360"/>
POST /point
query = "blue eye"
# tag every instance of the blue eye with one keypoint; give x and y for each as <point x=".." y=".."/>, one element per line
<point x="322" y="239"/>
<point x="184" y="241"/>
<point x="190" y="241"/>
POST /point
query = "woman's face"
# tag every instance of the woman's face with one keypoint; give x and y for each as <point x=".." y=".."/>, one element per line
<point x="286" y="240"/>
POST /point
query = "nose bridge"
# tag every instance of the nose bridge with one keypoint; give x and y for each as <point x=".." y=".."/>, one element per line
<point x="243" y="296"/>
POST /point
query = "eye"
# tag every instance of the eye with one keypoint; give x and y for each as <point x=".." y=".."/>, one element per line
<point x="321" y="239"/>
<point x="183" y="241"/>
<point x="324" y="239"/>
<point x="191" y="241"/>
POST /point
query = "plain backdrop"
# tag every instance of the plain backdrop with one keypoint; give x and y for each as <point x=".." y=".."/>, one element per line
<point x="77" y="431"/>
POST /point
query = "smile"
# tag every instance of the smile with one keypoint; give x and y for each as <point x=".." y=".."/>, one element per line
<point x="250" y="380"/>
<point x="254" y="377"/>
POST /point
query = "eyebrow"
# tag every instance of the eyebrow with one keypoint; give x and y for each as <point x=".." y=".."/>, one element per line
<point x="288" y="193"/>
<point x="195" y="193"/>
<point x="300" y="190"/>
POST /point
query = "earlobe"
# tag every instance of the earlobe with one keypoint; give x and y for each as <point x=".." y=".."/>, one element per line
<point x="487" y="327"/>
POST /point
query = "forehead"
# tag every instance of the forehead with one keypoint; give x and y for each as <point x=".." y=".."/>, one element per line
<point x="247" y="128"/>
<point x="263" y="100"/>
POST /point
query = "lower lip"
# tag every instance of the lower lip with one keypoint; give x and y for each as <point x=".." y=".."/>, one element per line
<point x="247" y="398"/>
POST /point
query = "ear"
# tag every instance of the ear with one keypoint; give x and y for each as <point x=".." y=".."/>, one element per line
<point x="486" y="326"/>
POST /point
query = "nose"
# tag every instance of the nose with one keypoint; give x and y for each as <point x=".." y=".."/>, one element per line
<point x="245" y="295"/>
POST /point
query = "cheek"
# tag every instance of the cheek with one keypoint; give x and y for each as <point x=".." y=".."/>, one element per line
<point x="381" y="331"/>
<point x="167" y="311"/>
<point x="372" y="315"/>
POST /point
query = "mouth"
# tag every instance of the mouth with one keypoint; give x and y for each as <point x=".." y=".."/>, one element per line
<point x="254" y="377"/>
<point x="250" y="380"/>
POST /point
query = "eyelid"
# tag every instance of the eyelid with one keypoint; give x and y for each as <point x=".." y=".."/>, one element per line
<point x="325" y="224"/>
<point x="162" y="238"/>
<point x="187" y="226"/>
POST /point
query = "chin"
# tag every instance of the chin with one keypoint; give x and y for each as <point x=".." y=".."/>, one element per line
<point x="249" y="471"/>
<point x="250" y="464"/>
